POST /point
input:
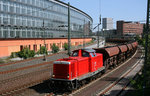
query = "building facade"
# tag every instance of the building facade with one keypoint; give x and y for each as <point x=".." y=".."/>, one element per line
<point x="129" y="28"/>
<point x="108" y="33"/>
<point x="107" y="23"/>
<point x="7" y="46"/>
<point x="41" y="18"/>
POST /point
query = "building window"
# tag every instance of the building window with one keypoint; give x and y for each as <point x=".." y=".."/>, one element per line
<point x="18" y="20"/>
<point x="24" y="20"/>
<point x="33" y="34"/>
<point x="5" y="8"/>
<point x="29" y="46"/>
<point x="38" y="35"/>
<point x="28" y="22"/>
<point x="17" y="33"/>
<point x="5" y="19"/>
<point x="21" y="47"/>
<point x="29" y="11"/>
<point x="0" y="5"/>
<point x="1" y="19"/>
<point x="12" y="9"/>
<point x="35" y="48"/>
<point x="23" y="10"/>
<point x="24" y="33"/>
<point x="12" y="20"/>
<point x="1" y="32"/>
<point x="12" y="33"/>
<point x="5" y="32"/>
<point x="28" y="34"/>
<point x="24" y="1"/>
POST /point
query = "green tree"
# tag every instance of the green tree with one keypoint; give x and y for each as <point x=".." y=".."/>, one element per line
<point x="55" y="48"/>
<point x="26" y="53"/>
<point x="144" y="78"/>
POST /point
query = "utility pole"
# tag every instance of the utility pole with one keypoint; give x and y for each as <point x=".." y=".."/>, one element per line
<point x="146" y="44"/>
<point x="44" y="57"/>
<point x="69" y="37"/>
<point x="98" y="37"/>
<point x="98" y="31"/>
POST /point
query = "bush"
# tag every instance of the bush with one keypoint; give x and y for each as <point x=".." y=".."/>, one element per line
<point x="55" y="48"/>
<point x="43" y="50"/>
<point x="13" y="54"/>
<point x="65" y="46"/>
<point x="32" y="53"/>
<point x="26" y="53"/>
<point x="1" y="61"/>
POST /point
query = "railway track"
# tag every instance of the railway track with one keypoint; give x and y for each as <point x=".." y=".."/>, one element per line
<point x="108" y="91"/>
<point x="17" y="79"/>
<point x="13" y="85"/>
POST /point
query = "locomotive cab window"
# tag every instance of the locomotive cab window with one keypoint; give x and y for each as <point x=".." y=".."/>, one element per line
<point x="85" y="54"/>
<point x="75" y="54"/>
<point x="92" y="54"/>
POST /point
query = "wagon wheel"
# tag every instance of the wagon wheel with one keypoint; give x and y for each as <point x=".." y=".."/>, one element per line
<point x="106" y="66"/>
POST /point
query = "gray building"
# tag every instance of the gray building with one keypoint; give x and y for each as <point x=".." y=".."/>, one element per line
<point x="107" y="23"/>
<point x="40" y="18"/>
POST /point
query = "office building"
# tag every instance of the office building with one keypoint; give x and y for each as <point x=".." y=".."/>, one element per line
<point x="129" y="27"/>
<point x="40" y="18"/>
<point x="107" y="23"/>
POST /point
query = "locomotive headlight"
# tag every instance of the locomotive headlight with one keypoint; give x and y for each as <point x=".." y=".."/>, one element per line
<point x="53" y="75"/>
<point x="68" y="76"/>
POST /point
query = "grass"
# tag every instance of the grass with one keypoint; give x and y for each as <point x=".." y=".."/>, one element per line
<point x="2" y="61"/>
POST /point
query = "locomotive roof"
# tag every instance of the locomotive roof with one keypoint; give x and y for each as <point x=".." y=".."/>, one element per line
<point x="88" y="50"/>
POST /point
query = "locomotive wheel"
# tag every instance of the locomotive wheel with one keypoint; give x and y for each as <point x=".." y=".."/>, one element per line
<point x="50" y="85"/>
<point x="70" y="87"/>
<point x="78" y="85"/>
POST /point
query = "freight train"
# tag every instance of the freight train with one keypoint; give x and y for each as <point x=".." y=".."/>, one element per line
<point x="87" y="64"/>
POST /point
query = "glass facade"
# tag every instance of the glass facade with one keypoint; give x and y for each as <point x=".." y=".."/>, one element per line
<point x="39" y="18"/>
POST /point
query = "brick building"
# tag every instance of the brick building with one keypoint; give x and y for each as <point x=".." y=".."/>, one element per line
<point x="7" y="46"/>
<point x="129" y="28"/>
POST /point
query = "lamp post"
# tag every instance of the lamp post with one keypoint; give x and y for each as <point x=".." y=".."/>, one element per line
<point x="69" y="37"/>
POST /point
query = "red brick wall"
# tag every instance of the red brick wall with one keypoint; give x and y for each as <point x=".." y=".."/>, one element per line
<point x="7" y="46"/>
<point x="129" y="27"/>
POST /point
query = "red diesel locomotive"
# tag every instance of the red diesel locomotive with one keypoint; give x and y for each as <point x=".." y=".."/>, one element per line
<point x="87" y="64"/>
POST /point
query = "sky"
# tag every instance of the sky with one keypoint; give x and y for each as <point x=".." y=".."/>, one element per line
<point x="127" y="10"/>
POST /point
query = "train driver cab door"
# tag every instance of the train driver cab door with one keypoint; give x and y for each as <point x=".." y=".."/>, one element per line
<point x="93" y="62"/>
